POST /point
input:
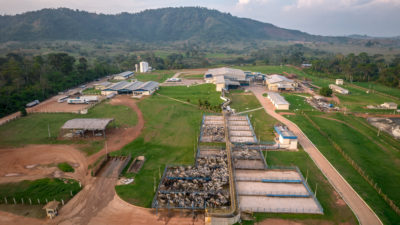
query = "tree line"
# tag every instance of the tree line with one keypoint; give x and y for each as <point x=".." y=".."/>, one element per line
<point x="361" y="67"/>
<point x="25" y="78"/>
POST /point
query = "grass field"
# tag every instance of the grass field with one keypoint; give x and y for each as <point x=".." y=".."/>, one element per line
<point x="381" y="165"/>
<point x="380" y="88"/>
<point x="168" y="138"/>
<point x="159" y="76"/>
<point x="41" y="189"/>
<point x="65" y="167"/>
<point x="193" y="93"/>
<point x="297" y="102"/>
<point x="33" y="129"/>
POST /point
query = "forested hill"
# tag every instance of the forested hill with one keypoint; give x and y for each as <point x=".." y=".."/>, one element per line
<point x="166" y="24"/>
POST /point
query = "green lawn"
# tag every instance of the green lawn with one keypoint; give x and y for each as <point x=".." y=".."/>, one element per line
<point x="169" y="137"/>
<point x="65" y="167"/>
<point x="159" y="76"/>
<point x="381" y="165"/>
<point x="297" y="102"/>
<point x="42" y="189"/>
<point x="33" y="129"/>
<point x="193" y="93"/>
<point x="380" y="88"/>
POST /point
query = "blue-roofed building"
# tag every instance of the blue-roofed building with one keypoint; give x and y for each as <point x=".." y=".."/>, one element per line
<point x="124" y="75"/>
<point x="287" y="139"/>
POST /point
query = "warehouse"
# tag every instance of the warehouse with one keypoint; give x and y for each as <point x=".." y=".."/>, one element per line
<point x="102" y="85"/>
<point x="147" y="88"/>
<point x="286" y="138"/>
<point x="124" y="75"/>
<point x="338" y="89"/>
<point x="279" y="102"/>
<point x="280" y="83"/>
<point x="226" y="78"/>
<point x="136" y="88"/>
<point x="85" y="127"/>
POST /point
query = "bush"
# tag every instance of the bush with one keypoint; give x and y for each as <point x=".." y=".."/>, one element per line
<point x="65" y="167"/>
<point x="325" y="91"/>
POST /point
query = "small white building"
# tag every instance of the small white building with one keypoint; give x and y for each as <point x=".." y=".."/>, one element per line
<point x="144" y="67"/>
<point x="124" y="75"/>
<point x="339" y="81"/>
<point x="278" y="101"/>
<point x="389" y="105"/>
<point x="338" y="89"/>
<point x="286" y="138"/>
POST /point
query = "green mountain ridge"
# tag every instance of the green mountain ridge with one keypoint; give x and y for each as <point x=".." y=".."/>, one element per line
<point x="157" y="25"/>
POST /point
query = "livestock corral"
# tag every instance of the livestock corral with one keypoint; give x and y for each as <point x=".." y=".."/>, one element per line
<point x="235" y="176"/>
<point x="204" y="185"/>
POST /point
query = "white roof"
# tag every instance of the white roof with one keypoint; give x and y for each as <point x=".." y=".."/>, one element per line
<point x="275" y="78"/>
<point x="333" y="86"/>
<point x="227" y="73"/>
<point x="87" y="124"/>
<point x="277" y="99"/>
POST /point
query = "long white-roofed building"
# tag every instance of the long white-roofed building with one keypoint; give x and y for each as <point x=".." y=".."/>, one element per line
<point x="226" y="78"/>
<point x="124" y="75"/>
<point x="279" y="102"/>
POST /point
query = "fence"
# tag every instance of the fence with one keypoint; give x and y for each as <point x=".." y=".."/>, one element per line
<point x="34" y="200"/>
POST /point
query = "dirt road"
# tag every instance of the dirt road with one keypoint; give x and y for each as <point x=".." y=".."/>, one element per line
<point x="125" y="135"/>
<point x="360" y="208"/>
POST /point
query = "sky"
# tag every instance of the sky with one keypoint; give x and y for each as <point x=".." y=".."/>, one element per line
<point x="379" y="18"/>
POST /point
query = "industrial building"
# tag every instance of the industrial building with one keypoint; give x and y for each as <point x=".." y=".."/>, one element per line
<point x="280" y="83"/>
<point x="144" y="67"/>
<point x="102" y="85"/>
<point x="286" y="138"/>
<point x="124" y="75"/>
<point x="136" y="88"/>
<point x="339" y="82"/>
<point x="338" y="89"/>
<point x="278" y="101"/>
<point x="226" y="78"/>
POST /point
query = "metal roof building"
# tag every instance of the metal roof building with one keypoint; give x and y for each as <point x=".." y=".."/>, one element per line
<point x="124" y="75"/>
<point x="279" y="83"/>
<point x="225" y="78"/>
<point x="287" y="139"/>
<point x="279" y="102"/>
<point x="84" y="125"/>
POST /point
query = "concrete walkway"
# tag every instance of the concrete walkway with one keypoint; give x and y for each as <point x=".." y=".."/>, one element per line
<point x="363" y="212"/>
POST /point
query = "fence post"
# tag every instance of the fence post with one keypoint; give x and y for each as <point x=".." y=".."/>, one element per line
<point x="38" y="201"/>
<point x="22" y="201"/>
<point x="62" y="201"/>
<point x="30" y="201"/>
<point x="5" y="199"/>
<point x="46" y="201"/>
<point x="71" y="193"/>
<point x="15" y="202"/>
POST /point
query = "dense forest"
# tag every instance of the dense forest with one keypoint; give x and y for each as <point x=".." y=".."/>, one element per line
<point x="360" y="67"/>
<point x="23" y="79"/>
<point x="158" y="25"/>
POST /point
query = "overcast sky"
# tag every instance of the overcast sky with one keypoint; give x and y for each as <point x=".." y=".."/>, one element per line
<point x="325" y="17"/>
